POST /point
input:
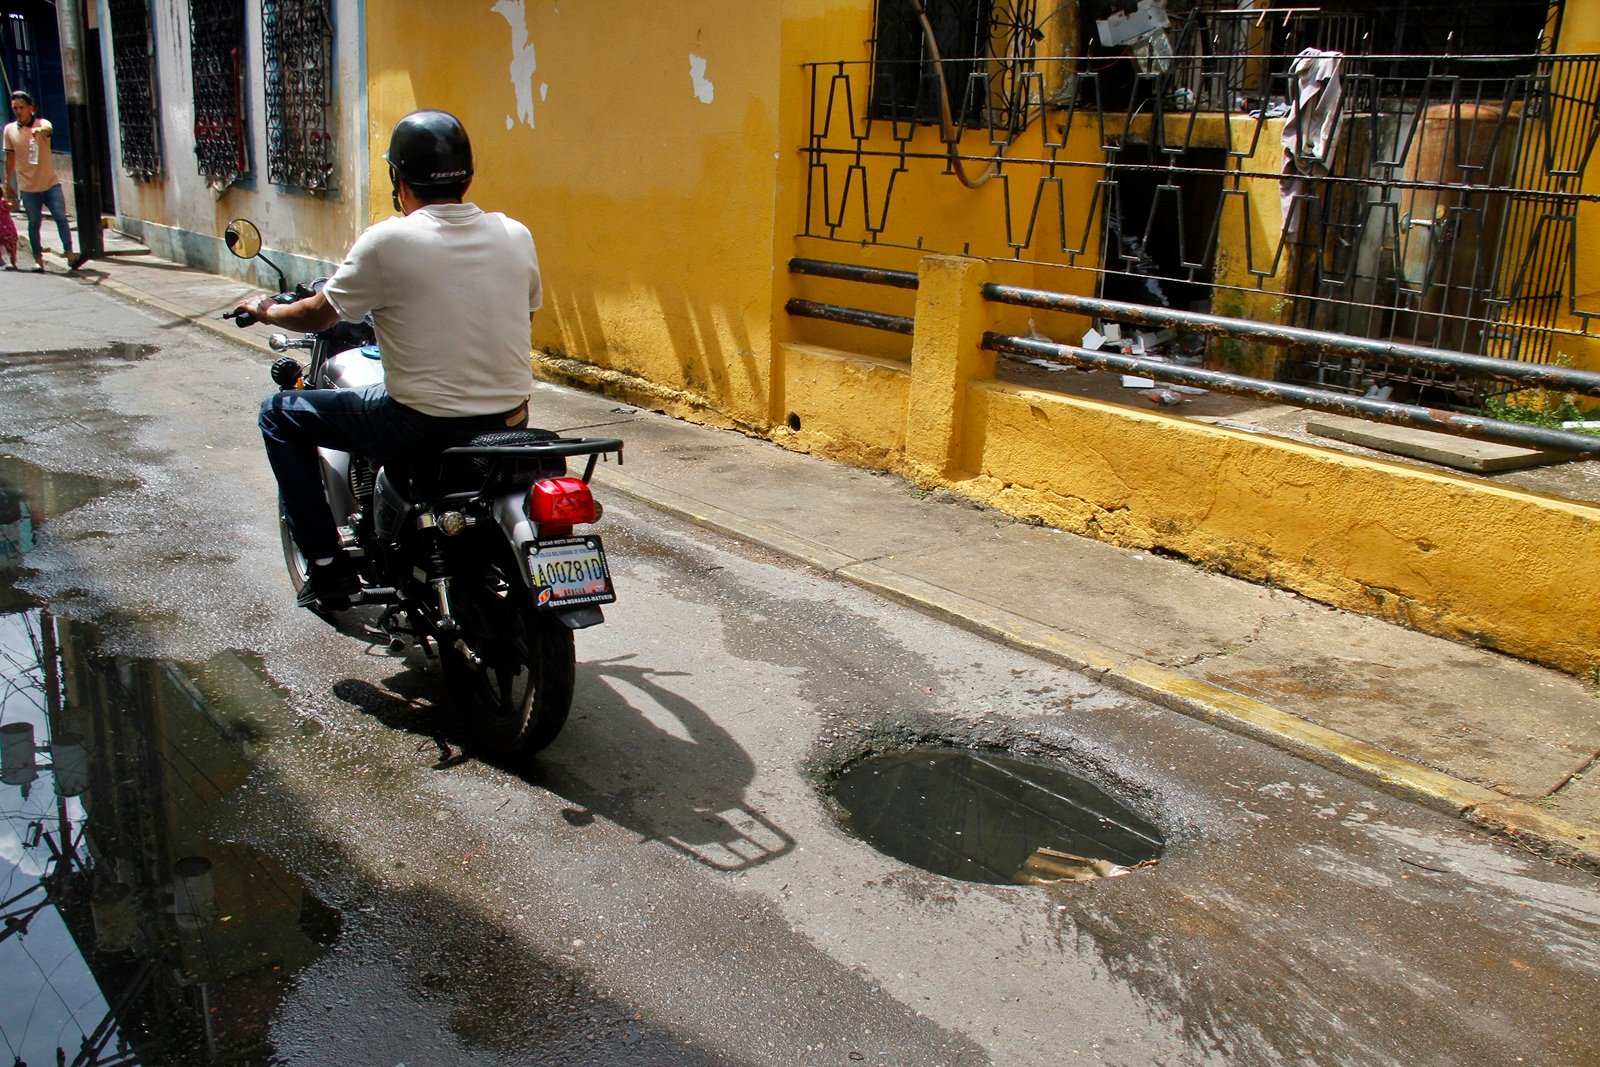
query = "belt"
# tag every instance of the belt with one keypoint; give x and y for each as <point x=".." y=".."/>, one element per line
<point x="516" y="416"/>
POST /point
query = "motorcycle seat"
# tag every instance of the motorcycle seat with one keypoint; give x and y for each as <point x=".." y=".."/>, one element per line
<point x="424" y="477"/>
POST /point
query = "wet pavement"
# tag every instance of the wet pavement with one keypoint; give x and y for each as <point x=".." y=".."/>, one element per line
<point x="668" y="883"/>
<point x="139" y="930"/>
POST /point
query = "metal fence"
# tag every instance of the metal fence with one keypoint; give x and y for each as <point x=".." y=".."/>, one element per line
<point x="1425" y="199"/>
<point x="1033" y="349"/>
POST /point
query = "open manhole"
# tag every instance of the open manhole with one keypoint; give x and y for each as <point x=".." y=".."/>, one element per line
<point x="989" y="818"/>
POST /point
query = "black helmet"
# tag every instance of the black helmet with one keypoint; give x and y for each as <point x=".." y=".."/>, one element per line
<point x="430" y="148"/>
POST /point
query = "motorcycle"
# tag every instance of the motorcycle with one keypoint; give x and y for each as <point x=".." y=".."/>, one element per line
<point x="473" y="554"/>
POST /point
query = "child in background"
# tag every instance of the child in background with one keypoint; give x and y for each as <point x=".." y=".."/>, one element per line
<point x="8" y="233"/>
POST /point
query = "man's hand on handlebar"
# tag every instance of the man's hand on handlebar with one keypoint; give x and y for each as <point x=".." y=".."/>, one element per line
<point x="254" y="309"/>
<point x="293" y="311"/>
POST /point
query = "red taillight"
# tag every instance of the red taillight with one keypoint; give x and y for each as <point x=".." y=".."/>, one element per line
<point x="562" y="502"/>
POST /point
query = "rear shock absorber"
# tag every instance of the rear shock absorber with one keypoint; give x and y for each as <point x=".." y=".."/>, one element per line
<point x="449" y="631"/>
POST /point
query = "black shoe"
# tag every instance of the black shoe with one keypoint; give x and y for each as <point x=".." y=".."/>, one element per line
<point x="330" y="585"/>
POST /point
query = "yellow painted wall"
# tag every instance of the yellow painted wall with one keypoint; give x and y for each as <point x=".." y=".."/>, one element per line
<point x="1580" y="34"/>
<point x="1422" y="549"/>
<point x="640" y="143"/>
<point x="1419" y="548"/>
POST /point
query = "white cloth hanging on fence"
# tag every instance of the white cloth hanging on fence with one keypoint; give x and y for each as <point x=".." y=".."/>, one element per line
<point x="1311" y="129"/>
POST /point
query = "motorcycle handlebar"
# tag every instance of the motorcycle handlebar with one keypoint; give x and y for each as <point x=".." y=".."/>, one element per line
<point x="243" y="319"/>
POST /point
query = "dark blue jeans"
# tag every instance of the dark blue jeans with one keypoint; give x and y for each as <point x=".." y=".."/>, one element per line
<point x="297" y="422"/>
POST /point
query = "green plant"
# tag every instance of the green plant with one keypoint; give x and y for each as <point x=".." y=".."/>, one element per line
<point x="1545" y="414"/>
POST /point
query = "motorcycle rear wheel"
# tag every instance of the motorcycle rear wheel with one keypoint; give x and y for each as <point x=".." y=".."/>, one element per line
<point x="519" y="697"/>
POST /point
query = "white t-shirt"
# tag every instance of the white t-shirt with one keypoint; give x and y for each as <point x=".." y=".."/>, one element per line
<point x="450" y="288"/>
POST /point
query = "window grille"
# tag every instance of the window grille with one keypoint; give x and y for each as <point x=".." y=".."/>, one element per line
<point x="20" y="51"/>
<point x="985" y="50"/>
<point x="297" y="40"/>
<point x="216" y="29"/>
<point x="134" y="68"/>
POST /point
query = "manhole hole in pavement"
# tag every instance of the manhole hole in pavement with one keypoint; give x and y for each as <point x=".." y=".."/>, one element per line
<point x="989" y="818"/>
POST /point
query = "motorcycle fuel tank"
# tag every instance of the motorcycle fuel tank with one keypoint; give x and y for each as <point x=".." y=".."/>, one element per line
<point x="355" y="367"/>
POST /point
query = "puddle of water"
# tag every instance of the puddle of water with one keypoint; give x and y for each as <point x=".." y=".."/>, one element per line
<point x="990" y="818"/>
<point x="128" y="351"/>
<point x="28" y="494"/>
<point x="130" y="934"/>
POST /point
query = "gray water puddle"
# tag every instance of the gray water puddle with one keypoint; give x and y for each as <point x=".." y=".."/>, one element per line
<point x="991" y="818"/>
<point x="125" y="351"/>
<point x="131" y="933"/>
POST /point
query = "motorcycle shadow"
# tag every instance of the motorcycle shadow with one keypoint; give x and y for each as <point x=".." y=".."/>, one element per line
<point x="635" y="752"/>
<point x="640" y="754"/>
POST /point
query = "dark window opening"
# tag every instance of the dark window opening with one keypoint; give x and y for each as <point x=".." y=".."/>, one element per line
<point x="984" y="46"/>
<point x="1158" y="227"/>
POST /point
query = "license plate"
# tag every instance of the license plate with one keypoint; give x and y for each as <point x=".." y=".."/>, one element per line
<point x="567" y="571"/>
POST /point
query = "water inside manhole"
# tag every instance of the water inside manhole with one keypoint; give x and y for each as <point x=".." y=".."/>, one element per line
<point x="983" y="817"/>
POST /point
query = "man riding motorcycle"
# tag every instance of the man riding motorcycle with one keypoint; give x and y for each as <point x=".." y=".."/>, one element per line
<point x="450" y="289"/>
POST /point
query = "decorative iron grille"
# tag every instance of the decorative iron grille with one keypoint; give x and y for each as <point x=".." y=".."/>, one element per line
<point x="134" y="67"/>
<point x="1448" y="215"/>
<point x="984" y="49"/>
<point x="216" y="30"/>
<point x="297" y="38"/>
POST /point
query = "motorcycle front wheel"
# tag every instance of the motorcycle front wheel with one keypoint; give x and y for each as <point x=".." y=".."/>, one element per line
<point x="517" y="676"/>
<point x="293" y="559"/>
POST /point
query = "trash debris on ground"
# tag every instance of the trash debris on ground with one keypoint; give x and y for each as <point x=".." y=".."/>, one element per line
<point x="1048" y="865"/>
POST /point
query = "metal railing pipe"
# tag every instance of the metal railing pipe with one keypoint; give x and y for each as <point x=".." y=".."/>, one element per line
<point x="1451" y="422"/>
<point x="874" y="320"/>
<point x="823" y="268"/>
<point x="1538" y="375"/>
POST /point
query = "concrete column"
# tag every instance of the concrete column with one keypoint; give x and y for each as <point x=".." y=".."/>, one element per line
<point x="946" y="357"/>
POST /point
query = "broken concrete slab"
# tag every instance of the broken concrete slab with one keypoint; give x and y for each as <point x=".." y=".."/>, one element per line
<point x="1461" y="453"/>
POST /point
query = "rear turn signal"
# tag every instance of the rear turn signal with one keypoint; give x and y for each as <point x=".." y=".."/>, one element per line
<point x="562" y="502"/>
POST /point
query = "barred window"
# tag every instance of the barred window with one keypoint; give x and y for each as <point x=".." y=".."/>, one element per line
<point x="134" y="68"/>
<point x="216" y="30"/>
<point x="983" y="47"/>
<point x="297" y="42"/>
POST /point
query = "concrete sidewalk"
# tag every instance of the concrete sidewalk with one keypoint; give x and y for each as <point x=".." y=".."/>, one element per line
<point x="1505" y="744"/>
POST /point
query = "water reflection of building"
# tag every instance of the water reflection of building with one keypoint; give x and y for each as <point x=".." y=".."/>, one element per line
<point x="190" y="940"/>
<point x="16" y="527"/>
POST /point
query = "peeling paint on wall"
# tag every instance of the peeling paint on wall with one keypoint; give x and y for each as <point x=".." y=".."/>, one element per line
<point x="703" y="89"/>
<point x="523" y="63"/>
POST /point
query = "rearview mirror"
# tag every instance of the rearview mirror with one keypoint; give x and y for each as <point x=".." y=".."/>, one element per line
<point x="242" y="238"/>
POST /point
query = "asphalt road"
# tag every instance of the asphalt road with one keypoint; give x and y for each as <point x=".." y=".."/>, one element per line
<point x="666" y="884"/>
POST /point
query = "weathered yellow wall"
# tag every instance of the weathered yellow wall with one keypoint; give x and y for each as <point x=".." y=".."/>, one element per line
<point x="1422" y="549"/>
<point x="649" y="192"/>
